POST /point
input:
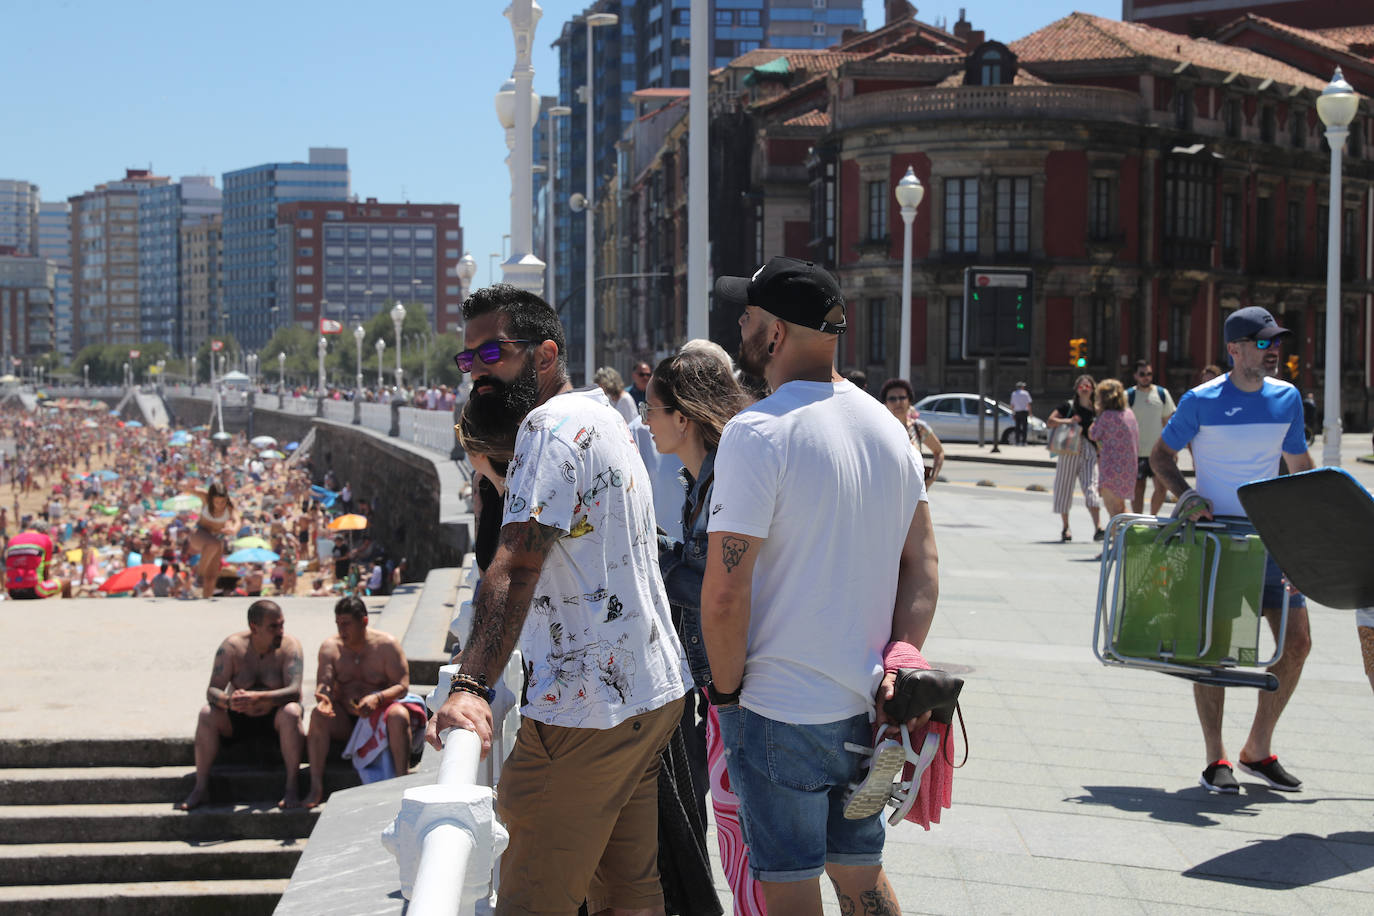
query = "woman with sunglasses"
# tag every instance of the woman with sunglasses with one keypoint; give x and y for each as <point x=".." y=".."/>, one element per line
<point x="690" y="398"/>
<point x="1082" y="465"/>
<point x="898" y="396"/>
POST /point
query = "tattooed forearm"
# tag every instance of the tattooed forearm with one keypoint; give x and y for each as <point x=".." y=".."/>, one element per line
<point x="732" y="552"/>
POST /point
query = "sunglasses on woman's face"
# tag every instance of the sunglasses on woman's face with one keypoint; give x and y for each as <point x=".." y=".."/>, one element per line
<point x="489" y="353"/>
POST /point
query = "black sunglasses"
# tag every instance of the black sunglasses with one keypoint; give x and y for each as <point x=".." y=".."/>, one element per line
<point x="489" y="353"/>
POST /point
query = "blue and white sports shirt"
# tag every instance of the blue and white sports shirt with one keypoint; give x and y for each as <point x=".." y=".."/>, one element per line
<point x="1237" y="436"/>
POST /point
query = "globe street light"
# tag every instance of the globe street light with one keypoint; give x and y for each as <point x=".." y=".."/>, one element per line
<point x="1336" y="107"/>
<point x="593" y="20"/>
<point x="281" y="376"/>
<point x="358" y="335"/>
<point x="381" y="348"/>
<point x="398" y="317"/>
<point x="86" y="371"/>
<point x="466" y="270"/>
<point x="909" y="194"/>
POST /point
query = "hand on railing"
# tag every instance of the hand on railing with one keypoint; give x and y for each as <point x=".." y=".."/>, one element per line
<point x="462" y="710"/>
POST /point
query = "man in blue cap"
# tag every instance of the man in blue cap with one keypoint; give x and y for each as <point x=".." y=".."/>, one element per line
<point x="1238" y="425"/>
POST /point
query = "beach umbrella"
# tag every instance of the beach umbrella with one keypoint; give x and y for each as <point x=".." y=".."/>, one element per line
<point x="126" y="579"/>
<point x="349" y="522"/>
<point x="292" y="446"/>
<point x="199" y="429"/>
<point x="262" y="442"/>
<point x="89" y="423"/>
<point x="133" y="424"/>
<point x="325" y="497"/>
<point x="107" y="475"/>
<point x="252" y="555"/>
<point x="271" y="454"/>
<point x="250" y="541"/>
<point x="182" y="502"/>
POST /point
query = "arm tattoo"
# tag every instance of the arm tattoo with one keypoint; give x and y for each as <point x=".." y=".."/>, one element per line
<point x="505" y="599"/>
<point x="732" y="552"/>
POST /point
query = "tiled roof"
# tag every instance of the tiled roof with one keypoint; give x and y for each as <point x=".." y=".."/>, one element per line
<point x="799" y="59"/>
<point x="921" y="58"/>
<point x="815" y="118"/>
<point x="658" y="92"/>
<point x="1083" y="37"/>
<point x="1304" y="36"/>
<point x="1023" y="78"/>
<point x="1351" y="36"/>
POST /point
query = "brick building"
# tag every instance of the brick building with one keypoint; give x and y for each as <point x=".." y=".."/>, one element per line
<point x="346" y="260"/>
<point x="1153" y="182"/>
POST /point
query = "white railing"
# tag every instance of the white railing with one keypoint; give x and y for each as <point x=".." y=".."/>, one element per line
<point x="983" y="102"/>
<point x="376" y="416"/>
<point x="428" y="428"/>
<point x="338" y="411"/>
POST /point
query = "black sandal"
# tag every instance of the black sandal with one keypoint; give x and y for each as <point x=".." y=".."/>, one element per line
<point x="1065" y="535"/>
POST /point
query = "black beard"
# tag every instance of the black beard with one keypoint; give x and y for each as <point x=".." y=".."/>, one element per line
<point x="752" y="359"/>
<point x="508" y="402"/>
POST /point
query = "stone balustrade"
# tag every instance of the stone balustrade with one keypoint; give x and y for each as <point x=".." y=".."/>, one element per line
<point x="1079" y="103"/>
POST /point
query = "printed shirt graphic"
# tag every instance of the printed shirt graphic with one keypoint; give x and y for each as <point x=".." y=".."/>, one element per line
<point x="1237" y="436"/>
<point x="598" y="642"/>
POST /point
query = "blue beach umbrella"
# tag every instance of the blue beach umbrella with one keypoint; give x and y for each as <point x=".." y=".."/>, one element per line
<point x="252" y="555"/>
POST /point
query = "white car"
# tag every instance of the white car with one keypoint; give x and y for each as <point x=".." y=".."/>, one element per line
<point x="954" y="417"/>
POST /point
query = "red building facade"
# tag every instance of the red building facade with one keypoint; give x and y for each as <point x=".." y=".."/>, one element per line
<point x="1152" y="182"/>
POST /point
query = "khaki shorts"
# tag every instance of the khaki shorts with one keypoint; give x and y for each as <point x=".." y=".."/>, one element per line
<point x="581" y="805"/>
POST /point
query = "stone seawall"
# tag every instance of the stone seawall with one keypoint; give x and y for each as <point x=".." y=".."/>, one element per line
<point x="418" y="513"/>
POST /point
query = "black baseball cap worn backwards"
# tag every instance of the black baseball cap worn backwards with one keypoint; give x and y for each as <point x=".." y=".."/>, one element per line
<point x="1252" y="322"/>
<point x="796" y="291"/>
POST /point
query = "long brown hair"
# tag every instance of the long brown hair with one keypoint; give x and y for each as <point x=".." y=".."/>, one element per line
<point x="699" y="386"/>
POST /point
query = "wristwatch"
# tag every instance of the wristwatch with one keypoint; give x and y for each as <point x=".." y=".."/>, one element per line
<point x="722" y="699"/>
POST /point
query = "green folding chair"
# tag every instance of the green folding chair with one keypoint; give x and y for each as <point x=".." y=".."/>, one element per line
<point x="1185" y="600"/>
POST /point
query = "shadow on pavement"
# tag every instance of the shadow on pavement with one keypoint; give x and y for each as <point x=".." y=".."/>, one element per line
<point x="1193" y="806"/>
<point x="1296" y="860"/>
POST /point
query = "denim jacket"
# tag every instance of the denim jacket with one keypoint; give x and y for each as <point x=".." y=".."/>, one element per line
<point x="684" y="564"/>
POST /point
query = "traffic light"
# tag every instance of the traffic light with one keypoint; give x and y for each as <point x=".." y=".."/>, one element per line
<point x="1078" y="351"/>
<point x="1293" y="363"/>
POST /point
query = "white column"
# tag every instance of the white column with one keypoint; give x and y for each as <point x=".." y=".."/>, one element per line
<point x="523" y="268"/>
<point x="698" y="171"/>
<point x="1331" y="387"/>
<point x="589" y="254"/>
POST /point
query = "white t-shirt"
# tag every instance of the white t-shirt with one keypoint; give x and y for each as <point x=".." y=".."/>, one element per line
<point x="828" y="476"/>
<point x="1020" y="399"/>
<point x="1152" y="410"/>
<point x="627" y="406"/>
<point x="599" y="634"/>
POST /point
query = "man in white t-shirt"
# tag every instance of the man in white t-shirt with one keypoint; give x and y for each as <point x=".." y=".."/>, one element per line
<point x="575" y="580"/>
<point x="1020" y="411"/>
<point x="821" y="554"/>
<point x="1153" y="406"/>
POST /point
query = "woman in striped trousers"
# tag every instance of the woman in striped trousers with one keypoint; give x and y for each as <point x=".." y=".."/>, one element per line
<point x="1082" y="466"/>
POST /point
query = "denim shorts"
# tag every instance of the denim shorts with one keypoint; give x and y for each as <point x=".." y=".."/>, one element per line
<point x="1274" y="588"/>
<point x="791" y="781"/>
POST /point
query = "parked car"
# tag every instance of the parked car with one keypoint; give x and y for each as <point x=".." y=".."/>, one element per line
<point x="954" y="417"/>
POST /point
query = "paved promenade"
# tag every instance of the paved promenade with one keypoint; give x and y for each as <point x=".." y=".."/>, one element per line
<point x="1080" y="794"/>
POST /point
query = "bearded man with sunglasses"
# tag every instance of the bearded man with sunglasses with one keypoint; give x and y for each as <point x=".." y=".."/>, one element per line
<point x="578" y="555"/>
<point x="1238" y="425"/>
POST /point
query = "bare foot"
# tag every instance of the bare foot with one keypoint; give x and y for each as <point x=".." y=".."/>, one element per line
<point x="290" y="799"/>
<point x="314" y="798"/>
<point x="194" y="800"/>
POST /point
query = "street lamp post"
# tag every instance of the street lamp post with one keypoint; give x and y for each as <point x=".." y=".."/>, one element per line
<point x="593" y="20"/>
<point x="1336" y="106"/>
<point x="909" y="194"/>
<point x="126" y="375"/>
<point x="358" y="335"/>
<point x="398" y="317"/>
<point x="322" y="348"/>
<point x="193" y="376"/>
<point x="281" y="377"/>
<point x="86" y="372"/>
<point x="381" y="348"/>
<point x="467" y="269"/>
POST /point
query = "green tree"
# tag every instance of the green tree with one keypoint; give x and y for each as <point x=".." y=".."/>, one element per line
<point x="230" y="352"/>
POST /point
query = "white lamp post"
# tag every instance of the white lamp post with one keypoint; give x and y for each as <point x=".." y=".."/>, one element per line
<point x="322" y="348"/>
<point x="593" y="20"/>
<point x="281" y="375"/>
<point x="398" y="317"/>
<point x="556" y="114"/>
<point x="194" y="378"/>
<point x="467" y="269"/>
<point x="381" y="348"/>
<point x="1336" y="106"/>
<point x="909" y="193"/>
<point x="358" y="335"/>
<point x="86" y="371"/>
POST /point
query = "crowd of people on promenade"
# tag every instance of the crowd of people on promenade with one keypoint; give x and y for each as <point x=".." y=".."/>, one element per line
<point x="110" y="507"/>
<point x="423" y="397"/>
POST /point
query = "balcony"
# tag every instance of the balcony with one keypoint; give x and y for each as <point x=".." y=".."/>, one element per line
<point x="980" y="103"/>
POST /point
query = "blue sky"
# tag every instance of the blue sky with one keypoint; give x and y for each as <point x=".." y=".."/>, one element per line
<point x="93" y="87"/>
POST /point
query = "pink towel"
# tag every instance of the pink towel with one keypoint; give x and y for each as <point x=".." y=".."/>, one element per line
<point x="937" y="783"/>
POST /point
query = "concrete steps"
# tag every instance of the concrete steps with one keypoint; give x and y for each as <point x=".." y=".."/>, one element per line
<point x="91" y="827"/>
<point x="145" y="898"/>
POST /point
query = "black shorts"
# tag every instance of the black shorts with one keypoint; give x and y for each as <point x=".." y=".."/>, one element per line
<point x="247" y="728"/>
<point x="1142" y="469"/>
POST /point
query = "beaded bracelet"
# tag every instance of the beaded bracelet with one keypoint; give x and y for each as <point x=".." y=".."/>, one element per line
<point x="477" y="686"/>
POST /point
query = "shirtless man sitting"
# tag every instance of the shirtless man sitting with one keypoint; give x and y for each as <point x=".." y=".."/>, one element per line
<point x="360" y="671"/>
<point x="255" y="688"/>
